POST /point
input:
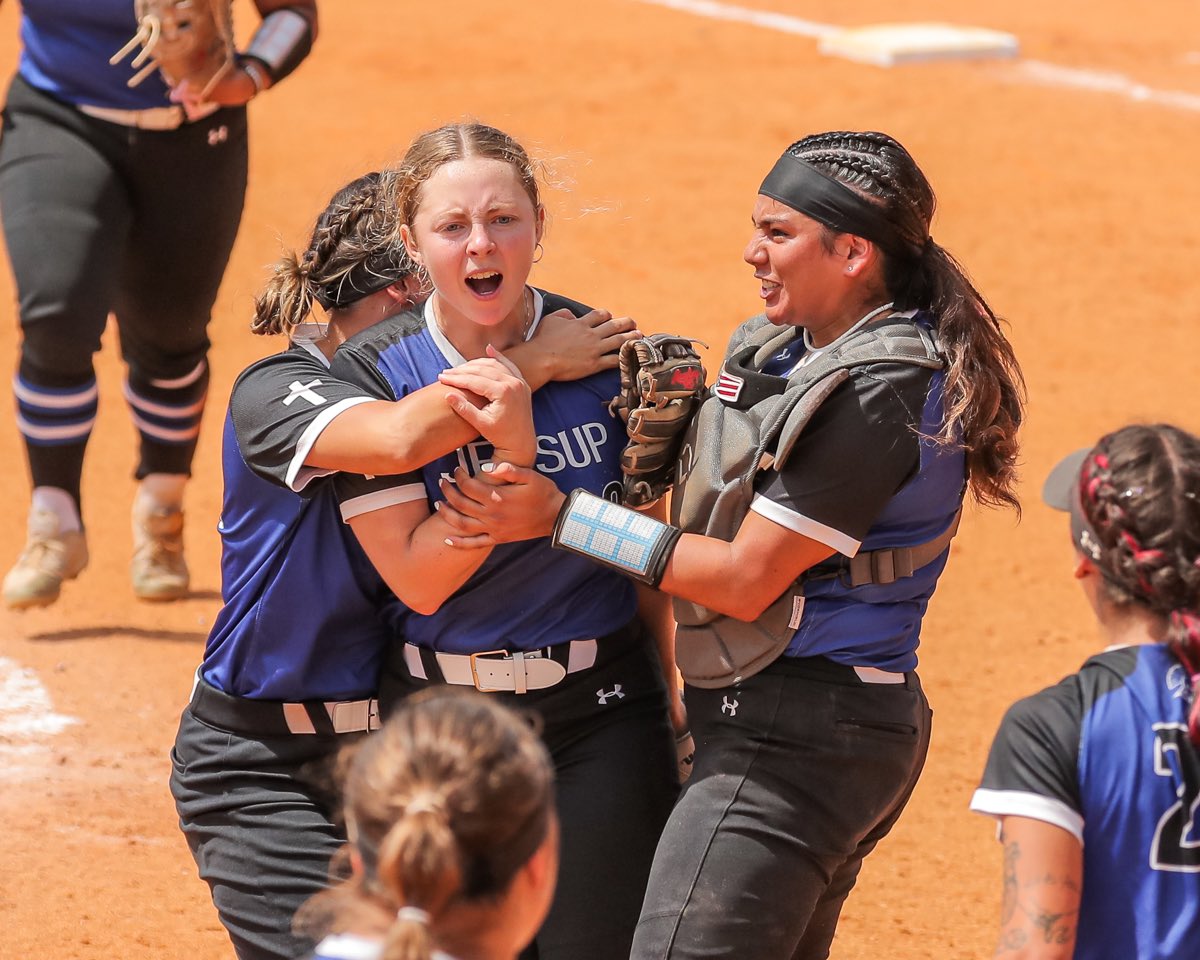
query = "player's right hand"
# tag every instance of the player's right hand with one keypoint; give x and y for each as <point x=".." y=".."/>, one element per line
<point x="493" y="397"/>
<point x="580" y="346"/>
<point x="506" y="504"/>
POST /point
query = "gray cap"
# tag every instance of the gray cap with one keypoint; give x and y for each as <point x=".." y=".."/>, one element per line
<point x="1056" y="491"/>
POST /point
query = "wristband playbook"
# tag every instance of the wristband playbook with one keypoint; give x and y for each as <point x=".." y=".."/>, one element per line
<point x="615" y="536"/>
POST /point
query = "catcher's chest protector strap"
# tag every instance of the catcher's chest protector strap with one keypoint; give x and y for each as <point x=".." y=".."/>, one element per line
<point x="747" y="428"/>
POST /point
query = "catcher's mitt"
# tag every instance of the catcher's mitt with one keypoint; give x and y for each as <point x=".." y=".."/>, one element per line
<point x="662" y="380"/>
<point x="188" y="40"/>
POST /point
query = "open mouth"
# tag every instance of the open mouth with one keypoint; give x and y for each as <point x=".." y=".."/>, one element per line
<point x="485" y="282"/>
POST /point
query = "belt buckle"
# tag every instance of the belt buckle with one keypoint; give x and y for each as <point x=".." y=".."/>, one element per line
<point x="503" y="654"/>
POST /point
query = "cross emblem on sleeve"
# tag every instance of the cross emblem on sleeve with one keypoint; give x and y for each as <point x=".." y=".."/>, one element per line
<point x="304" y="390"/>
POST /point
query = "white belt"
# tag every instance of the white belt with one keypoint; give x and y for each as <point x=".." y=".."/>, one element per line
<point x="496" y="670"/>
<point x="152" y="118"/>
<point x="875" y="675"/>
<point x="347" y="716"/>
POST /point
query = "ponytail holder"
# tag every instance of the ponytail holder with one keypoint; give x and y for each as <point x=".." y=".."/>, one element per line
<point x="427" y="802"/>
<point x="416" y="915"/>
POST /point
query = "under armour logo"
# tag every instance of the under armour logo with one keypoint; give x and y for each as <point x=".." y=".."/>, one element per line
<point x="304" y="390"/>
<point x="602" y="697"/>
<point x="729" y="708"/>
<point x="218" y="135"/>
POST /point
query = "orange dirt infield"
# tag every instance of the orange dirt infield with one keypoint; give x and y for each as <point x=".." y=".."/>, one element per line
<point x="1074" y="210"/>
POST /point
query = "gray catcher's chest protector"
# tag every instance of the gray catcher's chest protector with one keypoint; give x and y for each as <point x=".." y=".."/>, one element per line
<point x="756" y="431"/>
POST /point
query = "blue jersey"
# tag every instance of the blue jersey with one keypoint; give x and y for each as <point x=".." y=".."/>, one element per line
<point x="1105" y="755"/>
<point x="306" y="617"/>
<point x="524" y="596"/>
<point x="865" y="475"/>
<point x="65" y="49"/>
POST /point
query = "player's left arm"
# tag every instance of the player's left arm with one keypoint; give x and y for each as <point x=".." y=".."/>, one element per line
<point x="1043" y="885"/>
<point x="279" y="45"/>
<point x="739" y="578"/>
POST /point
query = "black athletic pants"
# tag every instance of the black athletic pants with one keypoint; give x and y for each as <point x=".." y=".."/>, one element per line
<point x="800" y="771"/>
<point x="260" y="813"/>
<point x="609" y="735"/>
<point x="100" y="217"/>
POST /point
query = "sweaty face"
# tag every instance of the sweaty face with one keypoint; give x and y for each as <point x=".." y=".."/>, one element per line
<point x="475" y="231"/>
<point x="799" y="280"/>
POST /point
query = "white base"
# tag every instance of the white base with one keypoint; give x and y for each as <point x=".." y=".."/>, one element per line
<point x="886" y="45"/>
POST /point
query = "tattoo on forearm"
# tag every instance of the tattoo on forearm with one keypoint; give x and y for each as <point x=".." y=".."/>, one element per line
<point x="1010" y="940"/>
<point x="1034" y="921"/>
<point x="1008" y="906"/>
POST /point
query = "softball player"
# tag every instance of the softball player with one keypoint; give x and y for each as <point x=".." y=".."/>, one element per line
<point x="800" y="593"/>
<point x="557" y="635"/>
<point x="1095" y="781"/>
<point x="291" y="665"/>
<point x="450" y="810"/>
<point x="114" y="199"/>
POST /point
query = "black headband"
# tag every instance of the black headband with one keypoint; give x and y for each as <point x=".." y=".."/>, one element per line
<point x="808" y="191"/>
<point x="372" y="275"/>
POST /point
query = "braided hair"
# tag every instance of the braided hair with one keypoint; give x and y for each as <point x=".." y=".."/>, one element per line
<point x="985" y="391"/>
<point x="443" y="805"/>
<point x="1139" y="489"/>
<point x="355" y="250"/>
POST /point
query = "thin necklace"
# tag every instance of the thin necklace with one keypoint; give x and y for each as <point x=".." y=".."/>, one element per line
<point x="808" y="344"/>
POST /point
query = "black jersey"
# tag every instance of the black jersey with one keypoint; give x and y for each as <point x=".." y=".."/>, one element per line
<point x="306" y="617"/>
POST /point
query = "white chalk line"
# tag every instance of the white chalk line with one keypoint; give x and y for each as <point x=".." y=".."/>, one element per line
<point x="1033" y="71"/>
<point x="27" y="716"/>
<point x="1099" y="81"/>
<point x="779" y="22"/>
